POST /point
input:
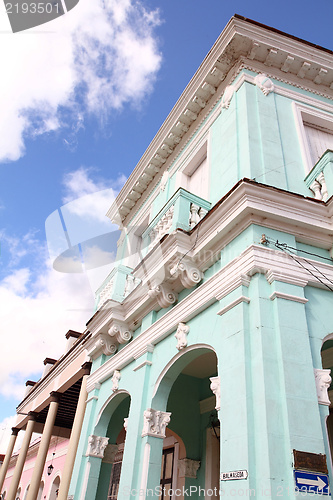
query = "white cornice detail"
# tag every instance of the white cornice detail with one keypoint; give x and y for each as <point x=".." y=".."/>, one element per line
<point x="239" y="39"/>
<point x="233" y="304"/>
<point x="287" y="296"/>
<point x="254" y="258"/>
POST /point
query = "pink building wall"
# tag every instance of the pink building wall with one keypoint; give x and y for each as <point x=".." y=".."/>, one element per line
<point x="50" y="483"/>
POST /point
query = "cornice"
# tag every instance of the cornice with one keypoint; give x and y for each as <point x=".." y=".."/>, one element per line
<point x="248" y="203"/>
<point x="307" y="66"/>
<point x="254" y="259"/>
<point x="48" y="383"/>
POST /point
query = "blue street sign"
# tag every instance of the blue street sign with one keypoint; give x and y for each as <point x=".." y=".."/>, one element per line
<point x="311" y="481"/>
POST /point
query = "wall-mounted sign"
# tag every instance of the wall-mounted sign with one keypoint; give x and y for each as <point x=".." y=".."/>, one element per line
<point x="311" y="481"/>
<point x="236" y="474"/>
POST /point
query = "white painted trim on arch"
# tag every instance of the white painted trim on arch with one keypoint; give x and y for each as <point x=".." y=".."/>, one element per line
<point x="175" y="359"/>
<point x="120" y="391"/>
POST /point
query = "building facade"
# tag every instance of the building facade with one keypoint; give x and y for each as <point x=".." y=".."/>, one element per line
<point x="212" y="341"/>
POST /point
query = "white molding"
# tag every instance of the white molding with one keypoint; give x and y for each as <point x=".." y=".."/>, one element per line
<point x="252" y="259"/>
<point x="144" y="350"/>
<point x="287" y="296"/>
<point x="173" y="361"/>
<point x="206" y="87"/>
<point x="141" y="365"/>
<point x="323" y="381"/>
<point x="92" y="398"/>
<point x="234" y="303"/>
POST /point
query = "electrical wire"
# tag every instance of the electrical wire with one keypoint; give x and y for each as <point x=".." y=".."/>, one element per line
<point x="288" y="250"/>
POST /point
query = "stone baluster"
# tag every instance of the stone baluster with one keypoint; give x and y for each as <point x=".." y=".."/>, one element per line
<point x="194" y="215"/>
<point x="316" y="188"/>
<point x="324" y="191"/>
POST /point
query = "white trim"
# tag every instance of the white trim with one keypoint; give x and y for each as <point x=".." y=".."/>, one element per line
<point x="141" y="365"/>
<point x="113" y="396"/>
<point x="175" y="359"/>
<point x="234" y="303"/>
<point x="91" y="399"/>
<point x="254" y="259"/>
<point x="287" y="296"/>
<point x="144" y="474"/>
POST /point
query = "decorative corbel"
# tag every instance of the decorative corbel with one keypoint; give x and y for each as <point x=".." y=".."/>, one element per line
<point x="181" y="335"/>
<point x="96" y="446"/>
<point x="323" y="381"/>
<point x="106" y="344"/>
<point x="187" y="272"/>
<point x="215" y="388"/>
<point x="264" y="83"/>
<point x="155" y="422"/>
<point x="163" y="294"/>
<point x="115" y="380"/>
<point x="227" y="96"/>
<point x="120" y="331"/>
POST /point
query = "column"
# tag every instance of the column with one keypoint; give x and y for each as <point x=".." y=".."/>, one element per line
<point x="22" y="457"/>
<point x="74" y="440"/>
<point x="43" y="447"/>
<point x="4" y="467"/>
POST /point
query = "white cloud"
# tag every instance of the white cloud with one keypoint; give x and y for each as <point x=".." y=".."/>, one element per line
<point x="35" y="317"/>
<point x="96" y="58"/>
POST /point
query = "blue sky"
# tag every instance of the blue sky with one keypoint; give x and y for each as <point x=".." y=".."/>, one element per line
<point x="81" y="98"/>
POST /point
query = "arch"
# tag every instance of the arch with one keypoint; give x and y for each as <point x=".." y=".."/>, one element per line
<point x="26" y="492"/>
<point x="54" y="488"/>
<point x="107" y="410"/>
<point x="171" y="371"/>
<point x="18" y="493"/>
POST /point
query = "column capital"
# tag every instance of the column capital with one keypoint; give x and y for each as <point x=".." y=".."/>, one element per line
<point x="55" y="396"/>
<point x="32" y="415"/>
<point x="15" y="431"/>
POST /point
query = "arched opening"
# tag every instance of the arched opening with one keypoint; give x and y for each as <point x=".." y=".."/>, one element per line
<point x="54" y="489"/>
<point x="26" y="492"/>
<point x="111" y="424"/>
<point x="327" y="363"/>
<point x="184" y="390"/>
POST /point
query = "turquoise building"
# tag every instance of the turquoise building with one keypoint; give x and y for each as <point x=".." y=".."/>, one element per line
<point x="212" y="341"/>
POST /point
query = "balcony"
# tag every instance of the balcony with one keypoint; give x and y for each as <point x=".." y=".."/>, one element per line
<point x="183" y="211"/>
<point x="117" y="285"/>
<point x="320" y="178"/>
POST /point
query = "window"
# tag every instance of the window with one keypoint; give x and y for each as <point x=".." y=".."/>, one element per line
<point x="319" y="140"/>
<point x="193" y="175"/>
<point x="167" y="473"/>
<point x="115" y="474"/>
<point x="315" y="132"/>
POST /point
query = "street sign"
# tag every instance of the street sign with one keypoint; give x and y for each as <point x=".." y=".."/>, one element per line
<point x="311" y="481"/>
<point x="236" y="474"/>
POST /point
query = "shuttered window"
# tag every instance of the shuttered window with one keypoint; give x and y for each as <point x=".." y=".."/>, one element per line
<point x="319" y="140"/>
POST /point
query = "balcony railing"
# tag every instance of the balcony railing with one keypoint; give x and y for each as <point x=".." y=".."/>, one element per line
<point x="118" y="284"/>
<point x="184" y="210"/>
<point x="320" y="179"/>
